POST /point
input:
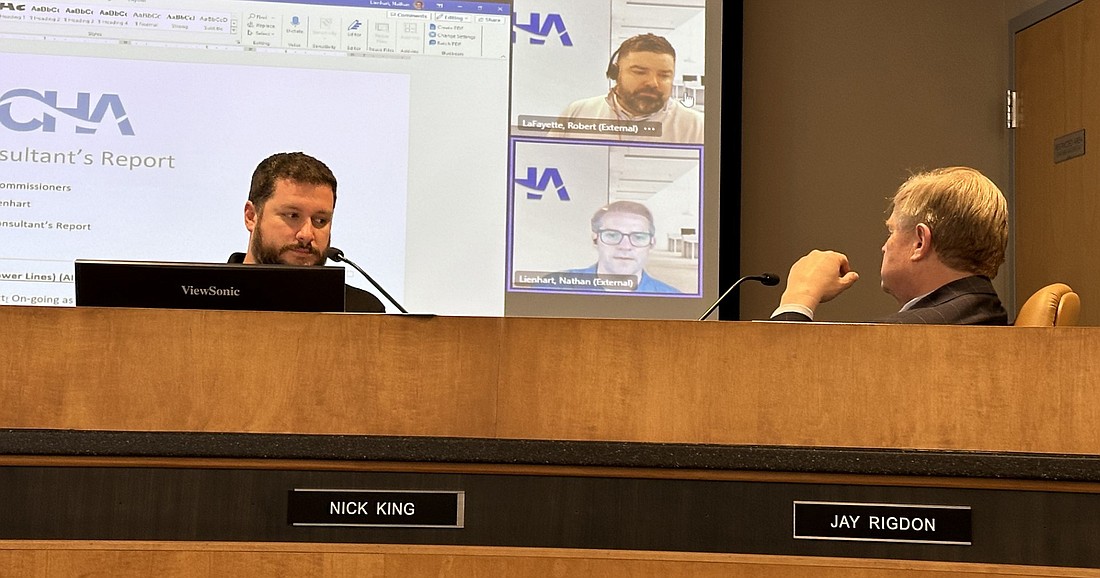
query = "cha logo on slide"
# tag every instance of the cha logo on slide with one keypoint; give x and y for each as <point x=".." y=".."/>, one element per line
<point x="27" y="110"/>
<point x="549" y="177"/>
<point x="540" y="29"/>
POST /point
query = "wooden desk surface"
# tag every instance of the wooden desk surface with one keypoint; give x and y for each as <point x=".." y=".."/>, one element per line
<point x="922" y="387"/>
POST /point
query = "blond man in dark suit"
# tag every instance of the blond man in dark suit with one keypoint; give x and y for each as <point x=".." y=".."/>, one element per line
<point x="948" y="230"/>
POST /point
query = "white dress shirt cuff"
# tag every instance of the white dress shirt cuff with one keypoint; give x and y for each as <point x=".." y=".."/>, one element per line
<point x="794" y="308"/>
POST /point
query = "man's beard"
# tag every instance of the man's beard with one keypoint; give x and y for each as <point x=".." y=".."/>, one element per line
<point x="642" y="101"/>
<point x="266" y="255"/>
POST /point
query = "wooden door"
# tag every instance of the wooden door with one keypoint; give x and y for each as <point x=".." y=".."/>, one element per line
<point x="1057" y="202"/>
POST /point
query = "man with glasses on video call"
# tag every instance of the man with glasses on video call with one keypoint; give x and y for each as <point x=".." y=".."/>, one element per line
<point x="623" y="234"/>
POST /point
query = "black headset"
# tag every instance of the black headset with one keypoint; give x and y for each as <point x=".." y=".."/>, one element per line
<point x="613" y="65"/>
<point x="633" y="41"/>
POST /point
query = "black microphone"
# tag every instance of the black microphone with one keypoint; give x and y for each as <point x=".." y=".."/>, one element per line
<point x="768" y="279"/>
<point x="338" y="256"/>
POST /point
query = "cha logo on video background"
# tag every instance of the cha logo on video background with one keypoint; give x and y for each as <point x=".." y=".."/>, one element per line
<point x="550" y="177"/>
<point x="89" y="118"/>
<point x="540" y="28"/>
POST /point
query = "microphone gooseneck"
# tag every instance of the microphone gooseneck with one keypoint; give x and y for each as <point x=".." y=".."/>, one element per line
<point x="768" y="279"/>
<point x="338" y="256"/>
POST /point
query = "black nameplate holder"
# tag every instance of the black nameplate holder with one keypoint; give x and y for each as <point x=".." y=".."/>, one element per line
<point x="909" y="523"/>
<point x="376" y="508"/>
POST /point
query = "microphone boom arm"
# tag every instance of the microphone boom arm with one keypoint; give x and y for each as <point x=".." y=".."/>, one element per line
<point x="338" y="256"/>
<point x="768" y="279"/>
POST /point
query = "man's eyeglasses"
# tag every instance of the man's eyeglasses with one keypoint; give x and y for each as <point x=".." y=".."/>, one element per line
<point x="613" y="237"/>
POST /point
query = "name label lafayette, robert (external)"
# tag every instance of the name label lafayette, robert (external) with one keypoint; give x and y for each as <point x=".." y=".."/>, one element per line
<point x="882" y="522"/>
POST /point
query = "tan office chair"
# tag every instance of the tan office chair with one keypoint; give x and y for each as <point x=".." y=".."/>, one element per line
<point x="1053" y="305"/>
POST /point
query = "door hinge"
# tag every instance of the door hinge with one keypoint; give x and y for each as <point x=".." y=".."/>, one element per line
<point x="1011" y="110"/>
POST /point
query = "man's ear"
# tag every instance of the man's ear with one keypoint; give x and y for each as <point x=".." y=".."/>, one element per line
<point x="250" y="216"/>
<point x="922" y="247"/>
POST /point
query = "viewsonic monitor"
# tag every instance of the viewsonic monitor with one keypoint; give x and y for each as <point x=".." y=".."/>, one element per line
<point x="209" y="286"/>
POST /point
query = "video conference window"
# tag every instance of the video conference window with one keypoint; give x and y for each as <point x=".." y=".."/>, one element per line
<point x="489" y="154"/>
<point x="605" y="219"/>
<point x="607" y="159"/>
<point x="626" y="72"/>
